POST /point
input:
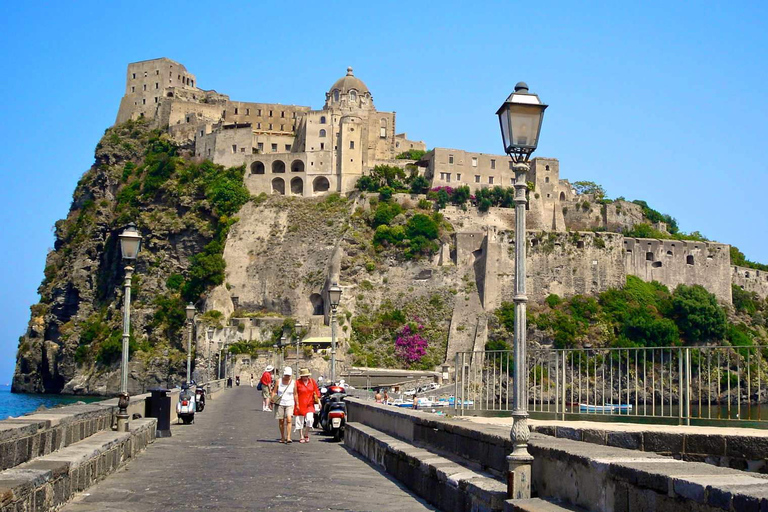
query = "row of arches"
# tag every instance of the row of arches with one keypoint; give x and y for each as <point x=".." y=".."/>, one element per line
<point x="319" y="184"/>
<point x="278" y="167"/>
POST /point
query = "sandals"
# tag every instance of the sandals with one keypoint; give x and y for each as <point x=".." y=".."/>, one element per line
<point x="289" y="441"/>
<point x="282" y="441"/>
<point x="302" y="440"/>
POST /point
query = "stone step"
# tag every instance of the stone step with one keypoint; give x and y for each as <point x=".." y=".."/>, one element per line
<point x="48" y="482"/>
<point x="538" y="505"/>
<point x="449" y="485"/>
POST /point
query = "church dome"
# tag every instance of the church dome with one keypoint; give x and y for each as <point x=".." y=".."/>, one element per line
<point x="349" y="82"/>
<point x="349" y="92"/>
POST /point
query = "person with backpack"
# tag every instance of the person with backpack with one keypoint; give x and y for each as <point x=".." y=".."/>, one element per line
<point x="265" y="386"/>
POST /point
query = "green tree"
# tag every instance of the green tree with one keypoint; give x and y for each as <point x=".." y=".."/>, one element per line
<point x="419" y="185"/>
<point x="589" y="187"/>
<point x="697" y="314"/>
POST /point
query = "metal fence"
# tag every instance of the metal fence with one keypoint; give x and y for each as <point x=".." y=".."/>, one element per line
<point x="682" y="383"/>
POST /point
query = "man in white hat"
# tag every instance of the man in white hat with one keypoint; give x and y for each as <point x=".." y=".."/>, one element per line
<point x="265" y="386"/>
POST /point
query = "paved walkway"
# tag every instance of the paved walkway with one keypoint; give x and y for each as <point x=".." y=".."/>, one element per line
<point x="230" y="459"/>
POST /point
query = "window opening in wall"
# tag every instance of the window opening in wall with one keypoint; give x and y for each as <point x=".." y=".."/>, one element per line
<point x="234" y="148"/>
<point x="133" y="88"/>
<point x="236" y="110"/>
<point x="648" y="256"/>
<point x="209" y="151"/>
<point x="546" y="167"/>
<point x="157" y="85"/>
<point x="546" y="180"/>
<point x="458" y="177"/>
<point x="201" y="133"/>
<point x="144" y="101"/>
<point x="274" y="148"/>
<point x="322" y="133"/>
<point x="247" y="111"/>
<point x="270" y="113"/>
<point x="477" y="178"/>
<point x="689" y="259"/>
<point x="261" y="146"/>
<point x="669" y="253"/>
<point x="656" y="264"/>
<point x="258" y="126"/>
<point x="335" y="95"/>
<point x="383" y="128"/>
<point x="282" y="113"/>
<point x="580" y="244"/>
<point x="134" y="76"/>
<point x="351" y="144"/>
<point x="145" y="87"/>
<point x="156" y="102"/>
<point x="322" y="119"/>
<point x="287" y="147"/>
<point x="145" y="74"/>
<point x="270" y="126"/>
<point x="490" y="180"/>
<point x="549" y="195"/>
<point x="322" y="145"/>
<point x="474" y="162"/>
<point x="352" y="96"/>
<point x="493" y="164"/>
<point x="259" y="112"/>
<point x="242" y="150"/>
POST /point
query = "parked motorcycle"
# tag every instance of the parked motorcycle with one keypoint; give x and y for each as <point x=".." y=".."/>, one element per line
<point x="185" y="408"/>
<point x="200" y="398"/>
<point x="333" y="411"/>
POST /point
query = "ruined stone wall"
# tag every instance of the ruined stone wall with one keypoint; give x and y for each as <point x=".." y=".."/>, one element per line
<point x="674" y="262"/>
<point x="563" y="263"/>
<point x="750" y="279"/>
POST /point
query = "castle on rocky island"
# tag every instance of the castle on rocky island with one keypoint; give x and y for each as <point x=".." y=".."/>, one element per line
<point x="295" y="150"/>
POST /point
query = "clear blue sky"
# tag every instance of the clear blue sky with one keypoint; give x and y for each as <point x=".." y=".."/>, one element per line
<point x="662" y="101"/>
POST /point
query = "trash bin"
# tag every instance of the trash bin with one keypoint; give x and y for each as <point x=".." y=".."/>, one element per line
<point x="160" y="408"/>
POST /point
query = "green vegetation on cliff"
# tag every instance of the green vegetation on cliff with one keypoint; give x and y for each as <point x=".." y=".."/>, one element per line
<point x="169" y="197"/>
<point x="644" y="314"/>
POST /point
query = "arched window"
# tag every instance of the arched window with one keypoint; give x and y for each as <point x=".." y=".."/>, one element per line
<point x="297" y="186"/>
<point x="689" y="259"/>
<point x="278" y="186"/>
<point x="352" y="95"/>
<point x="257" y="168"/>
<point x="278" y="166"/>
<point x="336" y="95"/>
<point x="297" y="166"/>
<point x="321" y="184"/>
<point x="546" y="180"/>
<point x="322" y="119"/>
<point x="383" y="129"/>
<point x="562" y="196"/>
<point x="322" y="133"/>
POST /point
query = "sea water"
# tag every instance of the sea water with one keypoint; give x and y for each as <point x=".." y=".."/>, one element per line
<point x="16" y="404"/>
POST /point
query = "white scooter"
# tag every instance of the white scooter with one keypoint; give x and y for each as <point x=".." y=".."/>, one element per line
<point x="186" y="407"/>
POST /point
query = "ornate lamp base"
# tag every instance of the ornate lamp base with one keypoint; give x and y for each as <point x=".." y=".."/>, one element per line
<point x="519" y="461"/>
<point x="122" y="412"/>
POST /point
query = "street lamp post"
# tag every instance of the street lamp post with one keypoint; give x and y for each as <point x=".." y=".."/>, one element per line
<point x="130" y="244"/>
<point x="334" y="294"/>
<point x="520" y="118"/>
<point x="297" y="331"/>
<point x="210" y="331"/>
<point x="190" y="309"/>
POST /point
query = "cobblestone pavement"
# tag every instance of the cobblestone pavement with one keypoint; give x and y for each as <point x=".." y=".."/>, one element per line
<point x="230" y="459"/>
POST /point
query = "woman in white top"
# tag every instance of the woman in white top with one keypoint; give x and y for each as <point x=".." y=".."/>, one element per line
<point x="285" y="389"/>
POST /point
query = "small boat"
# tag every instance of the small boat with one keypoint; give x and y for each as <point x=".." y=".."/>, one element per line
<point x="605" y="408"/>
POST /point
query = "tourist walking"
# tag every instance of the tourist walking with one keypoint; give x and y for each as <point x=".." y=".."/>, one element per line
<point x="307" y="394"/>
<point x="265" y="386"/>
<point x="284" y="401"/>
<point x="385" y="398"/>
<point x="251" y="380"/>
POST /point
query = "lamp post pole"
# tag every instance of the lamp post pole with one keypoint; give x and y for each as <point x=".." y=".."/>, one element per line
<point x="297" y="329"/>
<point x="334" y="294"/>
<point x="520" y="118"/>
<point x="130" y="244"/>
<point x="190" y="309"/>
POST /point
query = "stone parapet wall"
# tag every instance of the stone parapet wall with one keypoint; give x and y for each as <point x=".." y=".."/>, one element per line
<point x="48" y="482"/>
<point x="598" y="478"/>
<point x="750" y="279"/>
